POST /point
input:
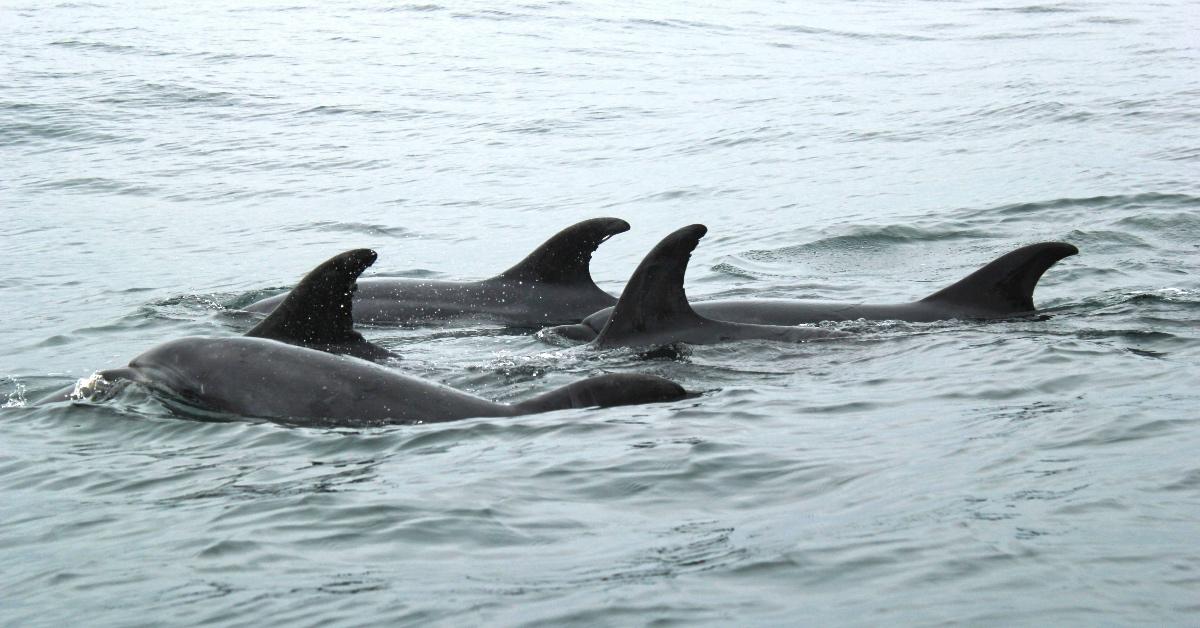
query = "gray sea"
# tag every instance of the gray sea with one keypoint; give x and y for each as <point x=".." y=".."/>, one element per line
<point x="163" y="163"/>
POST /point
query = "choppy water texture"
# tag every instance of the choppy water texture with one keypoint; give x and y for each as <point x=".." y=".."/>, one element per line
<point x="165" y="163"/>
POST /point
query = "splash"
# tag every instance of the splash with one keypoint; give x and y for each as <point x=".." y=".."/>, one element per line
<point x="93" y="388"/>
<point x="16" y="399"/>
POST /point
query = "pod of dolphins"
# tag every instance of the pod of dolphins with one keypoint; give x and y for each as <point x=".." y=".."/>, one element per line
<point x="305" y="362"/>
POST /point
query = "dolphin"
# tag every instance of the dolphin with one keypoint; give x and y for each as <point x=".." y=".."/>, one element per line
<point x="255" y="377"/>
<point x="654" y="310"/>
<point x="552" y="285"/>
<point x="1001" y="289"/>
<point x="288" y="368"/>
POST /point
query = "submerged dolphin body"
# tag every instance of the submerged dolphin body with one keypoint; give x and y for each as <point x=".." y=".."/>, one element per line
<point x="553" y="284"/>
<point x="287" y="368"/>
<point x="1001" y="289"/>
<point x="654" y="310"/>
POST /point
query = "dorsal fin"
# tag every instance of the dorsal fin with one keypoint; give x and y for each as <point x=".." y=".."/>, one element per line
<point x="319" y="309"/>
<point x="654" y="299"/>
<point x="1006" y="285"/>
<point x="566" y="256"/>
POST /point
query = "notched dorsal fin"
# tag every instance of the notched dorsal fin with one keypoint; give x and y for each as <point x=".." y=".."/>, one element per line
<point x="565" y="258"/>
<point x="654" y="298"/>
<point x="319" y="309"/>
<point x="1006" y="285"/>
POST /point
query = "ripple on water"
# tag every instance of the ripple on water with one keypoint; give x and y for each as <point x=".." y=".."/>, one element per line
<point x="370" y="229"/>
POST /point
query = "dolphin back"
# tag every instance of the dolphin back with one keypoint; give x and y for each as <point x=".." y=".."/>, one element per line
<point x="1006" y="285"/>
<point x="605" y="391"/>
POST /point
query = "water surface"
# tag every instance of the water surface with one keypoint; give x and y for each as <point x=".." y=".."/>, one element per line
<point x="165" y="163"/>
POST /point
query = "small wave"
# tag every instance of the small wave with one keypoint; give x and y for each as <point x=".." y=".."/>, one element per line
<point x="1177" y="154"/>
<point x="101" y="46"/>
<point x="18" y="133"/>
<point x="885" y="136"/>
<point x="1129" y="431"/>
<point x="1038" y="8"/>
<point x="813" y="30"/>
<point x="640" y="21"/>
<point x="1105" y="239"/>
<point x="1142" y="302"/>
<point x="489" y="14"/>
<point x="1030" y="34"/>
<point x="535" y="127"/>
<point x="739" y="269"/>
<point x="152" y="94"/>
<point x="1163" y="295"/>
<point x="862" y="241"/>
<point x="1092" y="204"/>
<point x="740" y="266"/>
<point x="1028" y="110"/>
<point x="671" y="195"/>
<point x="112" y="29"/>
<point x="756" y="136"/>
<point x="272" y="9"/>
<point x="1189" y="482"/>
<point x="407" y="8"/>
<point x="221" y="57"/>
<point x="96" y="185"/>
<point x="21" y="106"/>
<point x="339" y="110"/>
<point x="1175" y="226"/>
<point x="676" y="23"/>
<point x="992" y="118"/>
<point x="371" y="229"/>
<point x="1111" y="20"/>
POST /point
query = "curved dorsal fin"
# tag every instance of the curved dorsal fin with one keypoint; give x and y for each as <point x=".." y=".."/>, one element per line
<point x="654" y="299"/>
<point x="1006" y="285"/>
<point x="565" y="257"/>
<point x="319" y="309"/>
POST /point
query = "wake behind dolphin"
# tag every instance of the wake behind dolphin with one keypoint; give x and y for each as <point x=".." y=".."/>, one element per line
<point x="552" y="285"/>
<point x="1001" y="289"/>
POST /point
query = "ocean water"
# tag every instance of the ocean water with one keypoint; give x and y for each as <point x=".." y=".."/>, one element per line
<point x="163" y="163"/>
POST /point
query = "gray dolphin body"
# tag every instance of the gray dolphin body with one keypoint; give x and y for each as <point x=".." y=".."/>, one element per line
<point x="1001" y="289"/>
<point x="264" y="378"/>
<point x="288" y="367"/>
<point x="654" y="310"/>
<point x="552" y="285"/>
